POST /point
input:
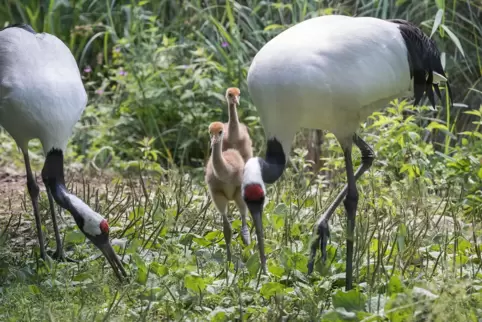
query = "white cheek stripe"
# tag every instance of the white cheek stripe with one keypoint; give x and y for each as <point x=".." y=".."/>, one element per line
<point x="252" y="174"/>
<point x="92" y="219"/>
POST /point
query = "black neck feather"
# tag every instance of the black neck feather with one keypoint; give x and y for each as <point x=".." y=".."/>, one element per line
<point x="53" y="178"/>
<point x="273" y="165"/>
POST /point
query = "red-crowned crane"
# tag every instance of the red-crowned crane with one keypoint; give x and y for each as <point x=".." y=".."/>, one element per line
<point x="42" y="97"/>
<point x="331" y="73"/>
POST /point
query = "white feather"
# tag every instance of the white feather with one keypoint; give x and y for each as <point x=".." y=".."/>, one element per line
<point x="92" y="219"/>
<point x="41" y="91"/>
<point x="252" y="171"/>
<point x="328" y="73"/>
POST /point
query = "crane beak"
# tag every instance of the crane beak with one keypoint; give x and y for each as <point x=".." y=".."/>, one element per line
<point x="114" y="261"/>
<point x="256" y="210"/>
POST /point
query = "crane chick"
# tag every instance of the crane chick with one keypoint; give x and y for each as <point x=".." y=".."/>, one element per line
<point x="224" y="174"/>
<point x="236" y="134"/>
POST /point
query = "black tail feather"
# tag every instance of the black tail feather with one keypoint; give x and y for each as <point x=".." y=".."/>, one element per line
<point x="429" y="89"/>
<point x="437" y="91"/>
<point x="423" y="59"/>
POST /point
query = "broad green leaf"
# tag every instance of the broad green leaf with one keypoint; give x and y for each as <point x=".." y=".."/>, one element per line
<point x="275" y="269"/>
<point x="81" y="277"/>
<point x="398" y="308"/>
<point x="34" y="289"/>
<point x="352" y="301"/>
<point x="272" y="288"/>
<point x="133" y="245"/>
<point x="278" y="221"/>
<point x="159" y="269"/>
<point x="75" y="237"/>
<point x="141" y="269"/>
<point x="473" y="112"/>
<point x="435" y="125"/>
<point x="213" y="235"/>
<point x="253" y="264"/>
<point x="395" y="285"/>
<point x="201" y="241"/>
<point x="194" y="283"/>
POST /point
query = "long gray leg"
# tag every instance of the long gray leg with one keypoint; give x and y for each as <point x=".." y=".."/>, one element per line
<point x="33" y="191"/>
<point x="221" y="204"/>
<point x="321" y="227"/>
<point x="59" y="253"/>
<point x="351" y="203"/>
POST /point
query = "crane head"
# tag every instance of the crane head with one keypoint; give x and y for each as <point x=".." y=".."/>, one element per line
<point x="92" y="224"/>
<point x="233" y="95"/>
<point x="254" y="192"/>
<point x="96" y="229"/>
<point x="257" y="172"/>
<point x="216" y="132"/>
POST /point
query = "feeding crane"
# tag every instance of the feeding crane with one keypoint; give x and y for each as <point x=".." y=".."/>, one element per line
<point x="42" y="97"/>
<point x="331" y="73"/>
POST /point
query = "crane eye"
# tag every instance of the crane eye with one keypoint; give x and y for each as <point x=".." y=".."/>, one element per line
<point x="220" y="132"/>
<point x="230" y="95"/>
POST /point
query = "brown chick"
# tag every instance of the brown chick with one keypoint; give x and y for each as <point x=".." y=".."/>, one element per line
<point x="224" y="174"/>
<point x="236" y="134"/>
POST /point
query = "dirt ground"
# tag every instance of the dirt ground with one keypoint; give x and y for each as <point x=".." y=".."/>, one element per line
<point x="13" y="188"/>
<point x="16" y="216"/>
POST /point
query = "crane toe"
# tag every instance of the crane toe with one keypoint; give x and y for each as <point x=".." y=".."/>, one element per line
<point x="60" y="257"/>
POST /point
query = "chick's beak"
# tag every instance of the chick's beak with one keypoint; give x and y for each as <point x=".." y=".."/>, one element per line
<point x="114" y="261"/>
<point x="237" y="99"/>
<point x="256" y="210"/>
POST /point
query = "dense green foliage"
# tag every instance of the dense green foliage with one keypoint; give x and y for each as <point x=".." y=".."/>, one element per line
<point x="156" y="72"/>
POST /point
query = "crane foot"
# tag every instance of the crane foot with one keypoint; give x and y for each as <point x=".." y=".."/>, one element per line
<point x="321" y="241"/>
<point x="245" y="236"/>
<point x="60" y="257"/>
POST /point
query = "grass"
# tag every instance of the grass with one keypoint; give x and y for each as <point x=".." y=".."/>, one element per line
<point x="157" y="71"/>
<point x="417" y="251"/>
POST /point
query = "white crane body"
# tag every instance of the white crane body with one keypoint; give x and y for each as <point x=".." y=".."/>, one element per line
<point x="41" y="91"/>
<point x="42" y="97"/>
<point x="331" y="73"/>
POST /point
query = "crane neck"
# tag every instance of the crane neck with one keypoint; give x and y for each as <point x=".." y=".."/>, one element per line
<point x="233" y="121"/>
<point x="273" y="165"/>
<point x="54" y="180"/>
<point x="221" y="168"/>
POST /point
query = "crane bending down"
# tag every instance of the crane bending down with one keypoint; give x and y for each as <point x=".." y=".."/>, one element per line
<point x="42" y="96"/>
<point x="331" y="73"/>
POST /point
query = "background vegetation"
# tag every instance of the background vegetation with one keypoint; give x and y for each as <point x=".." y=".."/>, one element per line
<point x="156" y="72"/>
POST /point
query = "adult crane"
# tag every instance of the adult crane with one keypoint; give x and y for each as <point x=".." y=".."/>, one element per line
<point x="331" y="73"/>
<point x="42" y="97"/>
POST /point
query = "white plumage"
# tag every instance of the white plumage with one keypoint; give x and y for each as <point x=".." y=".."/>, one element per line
<point x="42" y="97"/>
<point x="328" y="71"/>
<point x="41" y="92"/>
<point x="331" y="73"/>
